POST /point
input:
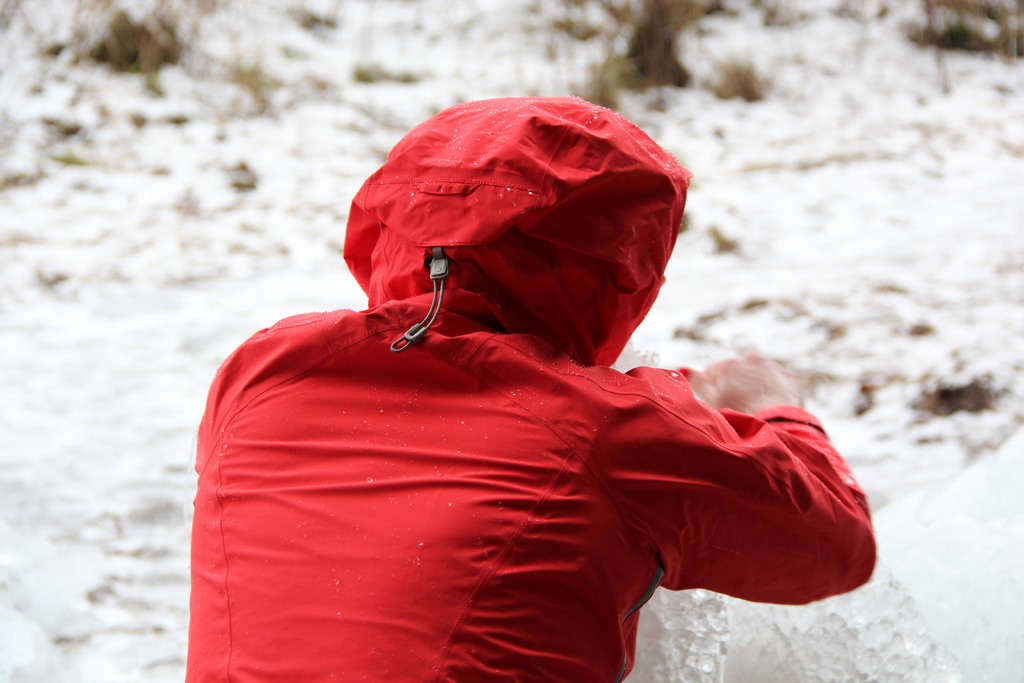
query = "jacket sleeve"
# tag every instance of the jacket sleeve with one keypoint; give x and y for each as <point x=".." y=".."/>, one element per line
<point x="759" y="507"/>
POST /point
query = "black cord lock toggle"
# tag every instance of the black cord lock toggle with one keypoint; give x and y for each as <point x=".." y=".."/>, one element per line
<point x="438" y="266"/>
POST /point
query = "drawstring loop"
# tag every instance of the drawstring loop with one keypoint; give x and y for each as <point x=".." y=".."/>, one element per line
<point x="438" y="276"/>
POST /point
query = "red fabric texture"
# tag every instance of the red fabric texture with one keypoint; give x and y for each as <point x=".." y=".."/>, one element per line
<point x="494" y="503"/>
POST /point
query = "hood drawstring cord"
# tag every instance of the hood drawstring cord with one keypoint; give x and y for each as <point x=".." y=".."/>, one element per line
<point x="438" y="276"/>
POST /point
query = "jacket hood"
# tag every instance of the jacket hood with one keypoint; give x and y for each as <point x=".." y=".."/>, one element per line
<point x="558" y="217"/>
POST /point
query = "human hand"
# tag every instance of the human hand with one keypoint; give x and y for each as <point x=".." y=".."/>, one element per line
<point x="747" y="384"/>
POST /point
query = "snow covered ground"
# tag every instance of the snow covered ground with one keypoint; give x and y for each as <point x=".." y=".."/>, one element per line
<point x="878" y="225"/>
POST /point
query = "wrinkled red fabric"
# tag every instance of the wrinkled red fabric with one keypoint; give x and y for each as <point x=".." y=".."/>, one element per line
<point x="494" y="503"/>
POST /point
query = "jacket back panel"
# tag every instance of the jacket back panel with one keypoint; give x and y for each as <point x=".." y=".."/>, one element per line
<point x="422" y="516"/>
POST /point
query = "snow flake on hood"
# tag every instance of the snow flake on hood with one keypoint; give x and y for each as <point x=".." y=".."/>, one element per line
<point x="559" y="217"/>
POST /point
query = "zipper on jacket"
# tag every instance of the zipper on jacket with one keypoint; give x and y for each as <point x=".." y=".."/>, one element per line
<point x="659" y="574"/>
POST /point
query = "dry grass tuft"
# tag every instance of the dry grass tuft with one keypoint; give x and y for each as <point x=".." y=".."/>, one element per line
<point x="739" y="80"/>
<point x="653" y="43"/>
<point x="138" y="45"/>
<point x="255" y="80"/>
<point x="947" y="398"/>
<point x="375" y="73"/>
<point x="989" y="26"/>
<point x="641" y="38"/>
<point x="723" y="244"/>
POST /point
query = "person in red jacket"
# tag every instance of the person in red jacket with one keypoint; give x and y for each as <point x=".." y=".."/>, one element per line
<point x="454" y="485"/>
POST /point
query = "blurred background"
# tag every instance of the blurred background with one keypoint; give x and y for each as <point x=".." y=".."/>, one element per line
<point x="176" y="175"/>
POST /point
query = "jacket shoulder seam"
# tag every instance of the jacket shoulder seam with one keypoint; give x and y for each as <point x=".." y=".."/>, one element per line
<point x="329" y="351"/>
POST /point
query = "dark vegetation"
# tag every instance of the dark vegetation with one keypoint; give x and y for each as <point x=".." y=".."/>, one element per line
<point x="946" y="398"/>
<point x="990" y="26"/>
<point x="644" y="40"/>
<point x="138" y="45"/>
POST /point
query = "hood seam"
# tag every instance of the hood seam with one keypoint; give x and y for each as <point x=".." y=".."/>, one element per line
<point x="455" y="181"/>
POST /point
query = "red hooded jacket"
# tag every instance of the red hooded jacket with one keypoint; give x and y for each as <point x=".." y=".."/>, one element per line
<point x="494" y="503"/>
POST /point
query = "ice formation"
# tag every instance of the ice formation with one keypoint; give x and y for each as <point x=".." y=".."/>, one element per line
<point x="959" y="549"/>
<point x="683" y="638"/>
<point x="874" y="634"/>
<point x="943" y="606"/>
<point x="39" y="586"/>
